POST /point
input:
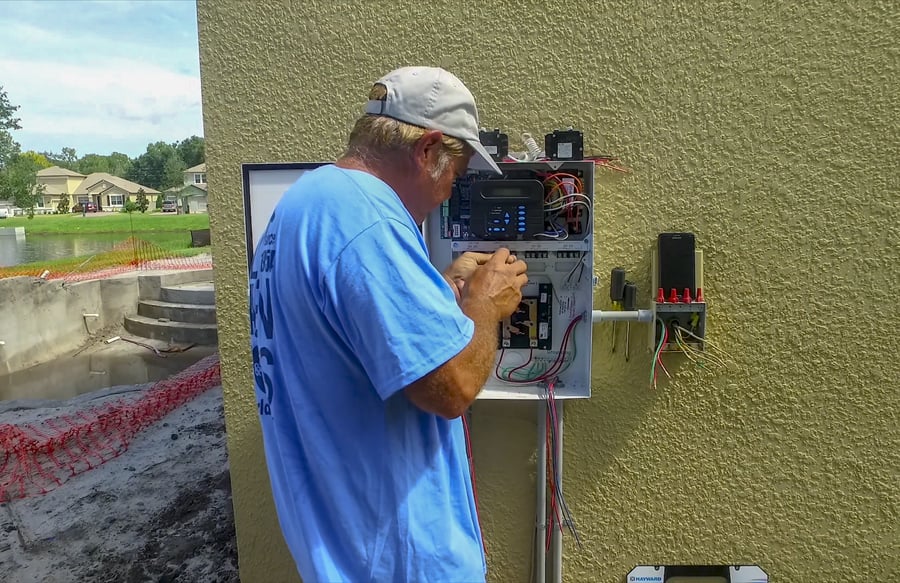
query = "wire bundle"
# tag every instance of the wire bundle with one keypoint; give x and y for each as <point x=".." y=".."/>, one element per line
<point x="558" y="513"/>
<point x="714" y="354"/>
<point x="564" y="197"/>
<point x="697" y="356"/>
<point x="657" y="358"/>
<point x="530" y="376"/>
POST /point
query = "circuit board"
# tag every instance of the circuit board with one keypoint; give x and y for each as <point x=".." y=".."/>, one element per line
<point x="531" y="324"/>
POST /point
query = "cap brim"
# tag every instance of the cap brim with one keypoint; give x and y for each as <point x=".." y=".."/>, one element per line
<point x="482" y="160"/>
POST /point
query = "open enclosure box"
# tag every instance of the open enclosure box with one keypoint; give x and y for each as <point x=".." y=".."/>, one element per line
<point x="543" y="213"/>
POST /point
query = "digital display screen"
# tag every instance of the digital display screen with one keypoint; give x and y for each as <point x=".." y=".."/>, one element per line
<point x="503" y="191"/>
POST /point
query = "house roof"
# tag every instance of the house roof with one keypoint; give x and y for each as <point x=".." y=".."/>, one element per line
<point x="197" y="168"/>
<point x="57" y="171"/>
<point x="126" y="185"/>
<point x="52" y="190"/>
<point x="192" y="190"/>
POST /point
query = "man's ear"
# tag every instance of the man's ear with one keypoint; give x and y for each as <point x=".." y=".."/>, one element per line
<point x="428" y="149"/>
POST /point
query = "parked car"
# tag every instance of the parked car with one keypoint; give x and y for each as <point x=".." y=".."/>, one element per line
<point x="88" y="207"/>
<point x="169" y="206"/>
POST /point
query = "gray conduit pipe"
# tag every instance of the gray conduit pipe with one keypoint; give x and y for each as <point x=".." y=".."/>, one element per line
<point x="540" y="518"/>
<point x="556" y="548"/>
<point x="598" y="316"/>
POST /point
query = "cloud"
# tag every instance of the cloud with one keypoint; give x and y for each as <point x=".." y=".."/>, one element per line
<point x="120" y="98"/>
<point x="82" y="84"/>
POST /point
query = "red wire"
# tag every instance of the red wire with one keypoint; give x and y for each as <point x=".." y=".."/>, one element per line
<point x="530" y="357"/>
<point x="659" y="356"/>
<point x="553" y="369"/>
<point x="551" y="515"/>
<point x="554" y="518"/>
<point x="561" y="357"/>
<point x="499" y="360"/>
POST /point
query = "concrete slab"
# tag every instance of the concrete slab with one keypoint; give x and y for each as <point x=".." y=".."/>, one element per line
<point x="203" y="292"/>
<point x="193" y="313"/>
<point x="172" y="331"/>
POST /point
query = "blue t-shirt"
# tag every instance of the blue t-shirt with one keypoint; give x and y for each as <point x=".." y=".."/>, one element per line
<point x="346" y="311"/>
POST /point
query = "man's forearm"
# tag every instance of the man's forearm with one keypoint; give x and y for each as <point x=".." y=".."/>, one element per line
<point x="482" y="349"/>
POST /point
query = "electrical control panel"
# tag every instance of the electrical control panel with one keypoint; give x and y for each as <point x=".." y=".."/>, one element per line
<point x="543" y="213"/>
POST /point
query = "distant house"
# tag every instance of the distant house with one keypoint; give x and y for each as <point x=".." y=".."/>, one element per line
<point x="56" y="182"/>
<point x="106" y="191"/>
<point x="193" y="194"/>
<point x="110" y="192"/>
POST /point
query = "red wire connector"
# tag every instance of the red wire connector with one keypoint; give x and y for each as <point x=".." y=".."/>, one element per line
<point x="660" y="296"/>
<point x="700" y="294"/>
<point x="686" y="297"/>
<point x="673" y="296"/>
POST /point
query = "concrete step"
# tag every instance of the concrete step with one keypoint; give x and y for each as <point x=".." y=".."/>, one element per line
<point x="168" y="331"/>
<point x="200" y="292"/>
<point x="192" y="313"/>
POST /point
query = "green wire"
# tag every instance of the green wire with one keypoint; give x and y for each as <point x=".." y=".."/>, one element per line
<point x="529" y="373"/>
<point x="659" y="346"/>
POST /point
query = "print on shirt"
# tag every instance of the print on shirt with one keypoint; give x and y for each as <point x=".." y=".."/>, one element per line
<point x="262" y="322"/>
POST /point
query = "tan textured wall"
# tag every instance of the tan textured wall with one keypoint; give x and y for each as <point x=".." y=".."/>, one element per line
<point x="768" y="129"/>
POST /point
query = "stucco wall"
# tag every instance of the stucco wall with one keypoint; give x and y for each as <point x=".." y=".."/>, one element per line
<point x="768" y="129"/>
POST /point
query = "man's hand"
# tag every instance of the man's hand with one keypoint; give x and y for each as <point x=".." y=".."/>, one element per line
<point x="496" y="286"/>
<point x="465" y="265"/>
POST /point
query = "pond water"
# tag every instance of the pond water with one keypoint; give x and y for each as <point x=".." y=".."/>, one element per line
<point x="18" y="249"/>
<point x="69" y="376"/>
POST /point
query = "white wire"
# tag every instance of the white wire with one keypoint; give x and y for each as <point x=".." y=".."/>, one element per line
<point x="559" y="235"/>
<point x="572" y="204"/>
<point x="575" y="196"/>
<point x="534" y="151"/>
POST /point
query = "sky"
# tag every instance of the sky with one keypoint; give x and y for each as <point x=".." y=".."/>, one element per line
<point x="101" y="76"/>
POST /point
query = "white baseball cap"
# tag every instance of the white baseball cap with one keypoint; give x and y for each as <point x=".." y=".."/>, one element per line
<point x="430" y="97"/>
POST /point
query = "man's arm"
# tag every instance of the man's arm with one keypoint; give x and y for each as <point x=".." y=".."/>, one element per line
<point x="450" y="389"/>
<point x="492" y="293"/>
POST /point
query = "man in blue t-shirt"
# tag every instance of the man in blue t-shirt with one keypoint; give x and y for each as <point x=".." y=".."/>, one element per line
<point x="365" y="356"/>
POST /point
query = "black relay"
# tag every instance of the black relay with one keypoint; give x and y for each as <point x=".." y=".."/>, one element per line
<point x="564" y="145"/>
<point x="496" y="144"/>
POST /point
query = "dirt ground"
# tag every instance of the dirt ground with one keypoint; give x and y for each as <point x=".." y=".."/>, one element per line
<point x="159" y="512"/>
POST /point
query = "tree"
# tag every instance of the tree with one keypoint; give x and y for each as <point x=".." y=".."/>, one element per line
<point x="39" y="161"/>
<point x="91" y="163"/>
<point x="117" y="164"/>
<point x="18" y="183"/>
<point x="67" y="159"/>
<point x="192" y="151"/>
<point x="174" y="172"/>
<point x="143" y="203"/>
<point x="7" y="111"/>
<point x="9" y="148"/>
<point x="159" y="167"/>
<point x="63" y="206"/>
<point x="130" y="206"/>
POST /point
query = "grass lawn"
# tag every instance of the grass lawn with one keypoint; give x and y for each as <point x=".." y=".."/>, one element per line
<point x="74" y="223"/>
